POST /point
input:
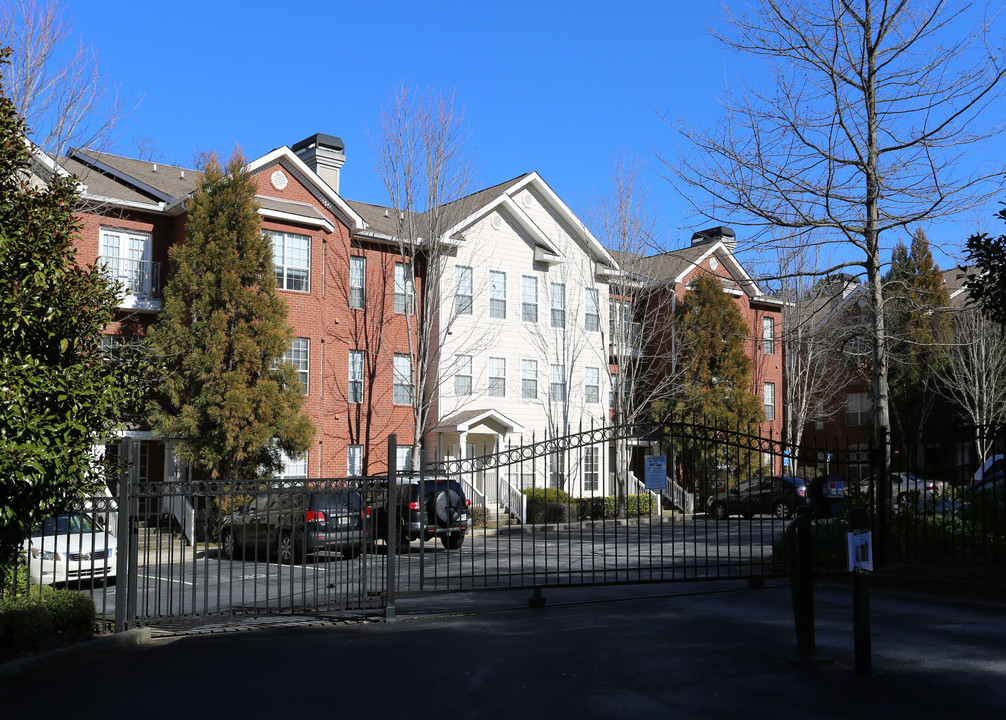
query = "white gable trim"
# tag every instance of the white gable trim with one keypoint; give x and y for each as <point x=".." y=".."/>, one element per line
<point x="492" y="415"/>
<point x="296" y="219"/>
<point x="744" y="279"/>
<point x="286" y="154"/>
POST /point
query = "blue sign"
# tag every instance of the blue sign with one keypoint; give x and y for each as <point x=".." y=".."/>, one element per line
<point x="785" y="458"/>
<point x="655" y="472"/>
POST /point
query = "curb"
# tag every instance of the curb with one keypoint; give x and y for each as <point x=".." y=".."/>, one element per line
<point x="137" y="636"/>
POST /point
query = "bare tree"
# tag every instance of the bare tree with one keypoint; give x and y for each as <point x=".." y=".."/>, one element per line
<point x="812" y="340"/>
<point x="974" y="374"/>
<point x="422" y="158"/>
<point x="63" y="97"/>
<point x="875" y="106"/>
<point x="643" y="361"/>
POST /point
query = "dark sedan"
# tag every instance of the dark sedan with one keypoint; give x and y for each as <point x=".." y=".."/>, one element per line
<point x="778" y="495"/>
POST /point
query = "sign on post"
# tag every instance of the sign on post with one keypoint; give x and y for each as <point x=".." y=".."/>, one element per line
<point x="861" y="551"/>
<point x="655" y="472"/>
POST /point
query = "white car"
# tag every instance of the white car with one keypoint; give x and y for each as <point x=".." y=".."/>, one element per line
<point x="68" y="547"/>
<point x="906" y="487"/>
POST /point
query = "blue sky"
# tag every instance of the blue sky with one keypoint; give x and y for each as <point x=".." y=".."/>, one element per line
<point x="553" y="87"/>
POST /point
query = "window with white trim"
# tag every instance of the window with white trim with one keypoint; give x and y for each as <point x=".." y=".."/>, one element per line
<point x="357" y="282"/>
<point x="591" y="310"/>
<point x="591" y="469"/>
<point x="354" y="460"/>
<point x="857" y="409"/>
<point x="592" y="385"/>
<point x="463" y="291"/>
<point x="528" y="379"/>
<point x="556" y="383"/>
<point x="402" y="379"/>
<point x="529" y="298"/>
<point x="405" y="289"/>
<point x="558" y="299"/>
<point x="462" y="375"/>
<point x="356" y="376"/>
<point x="768" y="335"/>
<point x="403" y="458"/>
<point x="291" y="259"/>
<point x="497" y="377"/>
<point x="557" y="470"/>
<point x="299" y="355"/>
<point x="125" y="255"/>
<point x="497" y="294"/>
<point x="768" y="396"/>
<point x="292" y="468"/>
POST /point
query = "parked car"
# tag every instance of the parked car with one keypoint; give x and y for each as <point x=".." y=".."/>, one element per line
<point x="906" y="488"/>
<point x="433" y="507"/>
<point x="70" y="547"/>
<point x="988" y="484"/>
<point x="779" y="495"/>
<point x="293" y="523"/>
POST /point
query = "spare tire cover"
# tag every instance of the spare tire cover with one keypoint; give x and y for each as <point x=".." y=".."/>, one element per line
<point x="447" y="508"/>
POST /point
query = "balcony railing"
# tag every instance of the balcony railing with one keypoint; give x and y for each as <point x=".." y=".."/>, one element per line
<point x="626" y="340"/>
<point x="140" y="278"/>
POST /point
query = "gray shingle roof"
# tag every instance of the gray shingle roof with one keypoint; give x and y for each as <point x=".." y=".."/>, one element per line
<point x="172" y="181"/>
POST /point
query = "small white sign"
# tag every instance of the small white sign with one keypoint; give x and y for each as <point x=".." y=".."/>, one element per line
<point x="655" y="471"/>
<point x="861" y="551"/>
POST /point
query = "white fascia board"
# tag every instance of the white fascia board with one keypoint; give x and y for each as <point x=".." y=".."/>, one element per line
<point x="296" y="219"/>
<point x="118" y="175"/>
<point x="527" y="223"/>
<point x="493" y="415"/>
<point x="131" y="204"/>
<point x="290" y="156"/>
<point x="568" y="214"/>
<point x="44" y="159"/>
<point x="744" y="279"/>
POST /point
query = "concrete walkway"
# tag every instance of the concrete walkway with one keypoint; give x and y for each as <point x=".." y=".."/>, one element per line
<point x="700" y="650"/>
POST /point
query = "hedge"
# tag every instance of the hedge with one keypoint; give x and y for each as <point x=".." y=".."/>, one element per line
<point x="49" y="619"/>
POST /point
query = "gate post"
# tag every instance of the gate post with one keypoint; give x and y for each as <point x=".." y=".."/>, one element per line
<point x="391" y="530"/>
<point x="122" y="541"/>
<point x="882" y="510"/>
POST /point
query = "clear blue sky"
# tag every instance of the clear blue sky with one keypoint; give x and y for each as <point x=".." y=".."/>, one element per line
<point x="554" y="87"/>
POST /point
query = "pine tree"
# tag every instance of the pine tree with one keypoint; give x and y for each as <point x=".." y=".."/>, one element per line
<point x="717" y="377"/>
<point x="59" y="394"/>
<point x="918" y="325"/>
<point x="227" y="398"/>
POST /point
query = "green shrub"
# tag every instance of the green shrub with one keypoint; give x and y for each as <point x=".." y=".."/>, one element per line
<point x="551" y="495"/>
<point x="479" y="515"/>
<point x="829" y="546"/>
<point x="50" y="619"/>
<point x="599" y="508"/>
<point x="539" y="512"/>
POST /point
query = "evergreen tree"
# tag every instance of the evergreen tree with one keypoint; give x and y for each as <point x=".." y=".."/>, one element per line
<point x="59" y="394"/>
<point x="230" y="402"/>
<point x="915" y="303"/>
<point x="717" y="376"/>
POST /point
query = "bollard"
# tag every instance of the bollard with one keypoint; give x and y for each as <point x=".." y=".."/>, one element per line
<point x="801" y="579"/>
<point x="861" y="605"/>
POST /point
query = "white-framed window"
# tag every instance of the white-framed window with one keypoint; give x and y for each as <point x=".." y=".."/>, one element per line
<point x="403" y="458"/>
<point x="556" y="383"/>
<point x="529" y="298"/>
<point x="497" y="377"/>
<point x="299" y="355"/>
<point x="591" y="469"/>
<point x="857" y="409"/>
<point x="591" y="310"/>
<point x="292" y="468"/>
<point x="291" y="258"/>
<point x="558" y="299"/>
<point x="528" y="379"/>
<point x="497" y="294"/>
<point x="402" y="388"/>
<point x="126" y="257"/>
<point x="357" y="282"/>
<point x="405" y="288"/>
<point x="768" y="396"/>
<point x="557" y="470"/>
<point x="356" y="376"/>
<point x="354" y="460"/>
<point x="592" y="385"/>
<point x="768" y="335"/>
<point x="463" y="290"/>
<point x="462" y="375"/>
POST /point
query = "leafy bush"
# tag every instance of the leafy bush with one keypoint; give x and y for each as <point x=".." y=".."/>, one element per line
<point x="51" y="619"/>
<point x="829" y="546"/>
<point x="599" y="508"/>
<point x="478" y="515"/>
<point x="552" y="495"/>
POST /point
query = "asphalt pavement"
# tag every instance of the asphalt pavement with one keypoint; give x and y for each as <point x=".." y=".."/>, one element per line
<point x="688" y="650"/>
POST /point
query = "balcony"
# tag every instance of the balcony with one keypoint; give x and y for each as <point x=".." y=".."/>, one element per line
<point x="139" y="279"/>
<point x="626" y="341"/>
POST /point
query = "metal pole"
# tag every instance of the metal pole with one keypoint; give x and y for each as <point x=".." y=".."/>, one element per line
<point x="391" y="531"/>
<point x="798" y="538"/>
<point x="122" y="541"/>
<point x="861" y="605"/>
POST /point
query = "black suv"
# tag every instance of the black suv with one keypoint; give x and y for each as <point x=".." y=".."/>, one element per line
<point x="294" y="522"/>
<point x="779" y="495"/>
<point x="434" y="507"/>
